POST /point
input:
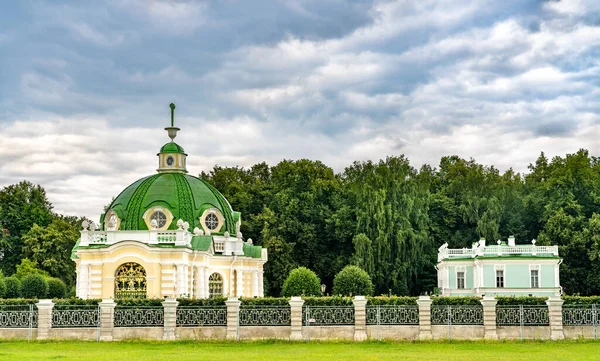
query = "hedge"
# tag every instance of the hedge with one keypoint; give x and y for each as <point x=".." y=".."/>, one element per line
<point x="13" y="287"/>
<point x="521" y="300"/>
<point x="56" y="288"/>
<point x="34" y="285"/>
<point x="456" y="300"/>
<point x="392" y="300"/>
<point x="579" y="300"/>
<point x="2" y="287"/>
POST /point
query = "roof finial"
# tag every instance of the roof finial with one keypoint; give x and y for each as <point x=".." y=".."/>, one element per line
<point x="172" y="130"/>
<point x="172" y="105"/>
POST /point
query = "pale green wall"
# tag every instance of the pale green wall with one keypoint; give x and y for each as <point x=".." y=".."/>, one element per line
<point x="489" y="275"/>
<point x="517" y="276"/>
<point x="547" y="275"/>
<point x="452" y="277"/>
<point x="469" y="277"/>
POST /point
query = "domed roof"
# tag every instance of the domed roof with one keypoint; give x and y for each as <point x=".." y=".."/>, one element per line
<point x="185" y="196"/>
<point x="172" y="147"/>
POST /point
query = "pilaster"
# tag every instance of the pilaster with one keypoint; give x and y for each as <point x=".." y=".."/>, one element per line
<point x="107" y="319"/>
<point x="555" y="317"/>
<point x="360" y="318"/>
<point x="44" y="318"/>
<point x="296" y="304"/>
<point x="489" y="317"/>
<point x="424" y="303"/>
<point x="170" y="318"/>
<point x="233" y="318"/>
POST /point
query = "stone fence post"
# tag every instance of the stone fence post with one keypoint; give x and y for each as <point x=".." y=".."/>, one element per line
<point x="107" y="319"/>
<point x="169" y="318"/>
<point x="424" y="303"/>
<point x="233" y="318"/>
<point x="296" y="304"/>
<point x="555" y="317"/>
<point x="360" y="318"/>
<point x="44" y="318"/>
<point x="489" y="317"/>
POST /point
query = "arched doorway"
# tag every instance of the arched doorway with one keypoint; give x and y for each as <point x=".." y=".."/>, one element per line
<point x="130" y="281"/>
<point x="215" y="285"/>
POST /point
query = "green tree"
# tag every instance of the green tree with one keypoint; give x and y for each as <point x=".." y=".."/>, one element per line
<point x="50" y="247"/>
<point x="352" y="281"/>
<point x="34" y="286"/>
<point x="2" y="288"/>
<point x="301" y="282"/>
<point x="363" y="253"/>
<point x="29" y="267"/>
<point x="21" y="206"/>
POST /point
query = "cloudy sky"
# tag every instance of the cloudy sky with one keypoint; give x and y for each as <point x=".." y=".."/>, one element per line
<point x="85" y="88"/>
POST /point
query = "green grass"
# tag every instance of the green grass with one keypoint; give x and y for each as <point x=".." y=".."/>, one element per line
<point x="280" y="350"/>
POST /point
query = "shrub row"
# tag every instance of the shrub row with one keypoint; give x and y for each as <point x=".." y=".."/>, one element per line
<point x="32" y="286"/>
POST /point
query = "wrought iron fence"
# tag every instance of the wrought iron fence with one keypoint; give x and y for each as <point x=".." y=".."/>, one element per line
<point x="522" y="315"/>
<point x="580" y="315"/>
<point x="392" y="315"/>
<point x="75" y="316"/>
<point x="201" y="316"/>
<point x="328" y="315"/>
<point x="265" y="316"/>
<point x="456" y="315"/>
<point x="18" y="316"/>
<point x="133" y="316"/>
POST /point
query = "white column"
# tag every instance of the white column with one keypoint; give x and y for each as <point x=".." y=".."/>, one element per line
<point x="207" y="285"/>
<point x="180" y="280"/>
<point x="254" y="283"/>
<point x="78" y="280"/>
<point x="240" y="283"/>
<point x="192" y="279"/>
<point x="261" y="289"/>
<point x="200" y="283"/>
<point x="84" y="281"/>
<point x="186" y="280"/>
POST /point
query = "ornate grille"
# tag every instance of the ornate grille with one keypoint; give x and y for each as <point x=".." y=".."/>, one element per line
<point x="21" y="316"/>
<point x="580" y="315"/>
<point x="328" y="315"/>
<point x="130" y="281"/>
<point x="139" y="316"/>
<point x="265" y="316"/>
<point x="215" y="285"/>
<point x="456" y="315"/>
<point x="392" y="315"/>
<point x="160" y="218"/>
<point x="75" y="316"/>
<point x="522" y="315"/>
<point x="201" y="316"/>
<point x="211" y="221"/>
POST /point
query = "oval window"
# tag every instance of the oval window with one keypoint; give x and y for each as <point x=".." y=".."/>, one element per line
<point x="211" y="221"/>
<point x="160" y="218"/>
<point x="170" y="161"/>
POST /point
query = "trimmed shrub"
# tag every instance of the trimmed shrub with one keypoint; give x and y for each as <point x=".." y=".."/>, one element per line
<point x="392" y="300"/>
<point x="56" y="288"/>
<point x="13" y="287"/>
<point x="352" y="281"/>
<point x="521" y="300"/>
<point x="213" y="301"/>
<point x="328" y="301"/>
<point x="2" y="288"/>
<point x="579" y="300"/>
<point x="17" y="301"/>
<point x="34" y="286"/>
<point x="301" y="282"/>
<point x="457" y="300"/>
<point x="265" y="301"/>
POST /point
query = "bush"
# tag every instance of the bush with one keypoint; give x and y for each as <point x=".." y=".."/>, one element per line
<point x="13" y="287"/>
<point x="352" y="281"/>
<point x="521" y="300"/>
<point x="2" y="288"/>
<point x="213" y="301"/>
<point x="266" y="301"/>
<point x="34" y="286"/>
<point x="56" y="288"/>
<point x="301" y="282"/>
<point x="328" y="301"/>
<point x="392" y="300"/>
<point x="457" y="300"/>
<point x="579" y="300"/>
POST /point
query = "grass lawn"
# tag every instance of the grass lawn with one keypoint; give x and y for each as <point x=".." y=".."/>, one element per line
<point x="270" y="351"/>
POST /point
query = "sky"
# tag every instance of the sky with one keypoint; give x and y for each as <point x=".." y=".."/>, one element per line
<point x="85" y="86"/>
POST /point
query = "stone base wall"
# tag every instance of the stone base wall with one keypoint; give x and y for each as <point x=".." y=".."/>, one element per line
<point x="201" y="333"/>
<point x="458" y="332"/>
<point x="529" y="332"/>
<point x="391" y="332"/>
<point x="17" y="333"/>
<point x="146" y="333"/>
<point x="328" y="332"/>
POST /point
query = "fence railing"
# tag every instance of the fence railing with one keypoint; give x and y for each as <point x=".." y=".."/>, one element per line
<point x="74" y="316"/>
<point x="265" y="316"/>
<point x="18" y="316"/>
<point x="133" y="316"/>
<point x="201" y="316"/>
<point x="392" y="315"/>
<point x="456" y="315"/>
<point x="522" y="315"/>
<point x="328" y="315"/>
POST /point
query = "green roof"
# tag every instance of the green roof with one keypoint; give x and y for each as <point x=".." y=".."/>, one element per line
<point x="172" y="147"/>
<point x="185" y="196"/>
<point x="252" y="251"/>
<point x="201" y="243"/>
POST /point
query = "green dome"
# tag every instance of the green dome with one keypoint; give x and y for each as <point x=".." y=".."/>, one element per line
<point x="172" y="147"/>
<point x="185" y="196"/>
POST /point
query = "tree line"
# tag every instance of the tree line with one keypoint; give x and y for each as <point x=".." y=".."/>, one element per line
<point x="386" y="217"/>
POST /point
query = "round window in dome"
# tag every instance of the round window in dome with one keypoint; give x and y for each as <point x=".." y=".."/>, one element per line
<point x="170" y="161"/>
<point x="211" y="221"/>
<point x="112" y="223"/>
<point x="160" y="218"/>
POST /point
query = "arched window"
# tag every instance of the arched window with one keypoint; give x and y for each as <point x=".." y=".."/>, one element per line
<point x="215" y="285"/>
<point x="130" y="281"/>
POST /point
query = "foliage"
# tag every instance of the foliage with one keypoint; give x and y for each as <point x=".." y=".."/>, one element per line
<point x="266" y="301"/>
<point x="392" y="300"/>
<point x="363" y="253"/>
<point x="74" y="301"/>
<point x="17" y="301"/>
<point x="2" y="287"/>
<point x="213" y="301"/>
<point x="28" y="267"/>
<point x="13" y="287"/>
<point x="34" y="286"/>
<point x="22" y="205"/>
<point x="457" y="301"/>
<point x="521" y="300"/>
<point x="352" y="281"/>
<point x="56" y="288"/>
<point x="328" y="301"/>
<point x="301" y="282"/>
<point x="580" y="300"/>
<point x="50" y="247"/>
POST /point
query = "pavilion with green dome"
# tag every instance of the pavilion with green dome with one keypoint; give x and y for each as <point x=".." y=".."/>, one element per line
<point x="168" y="234"/>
